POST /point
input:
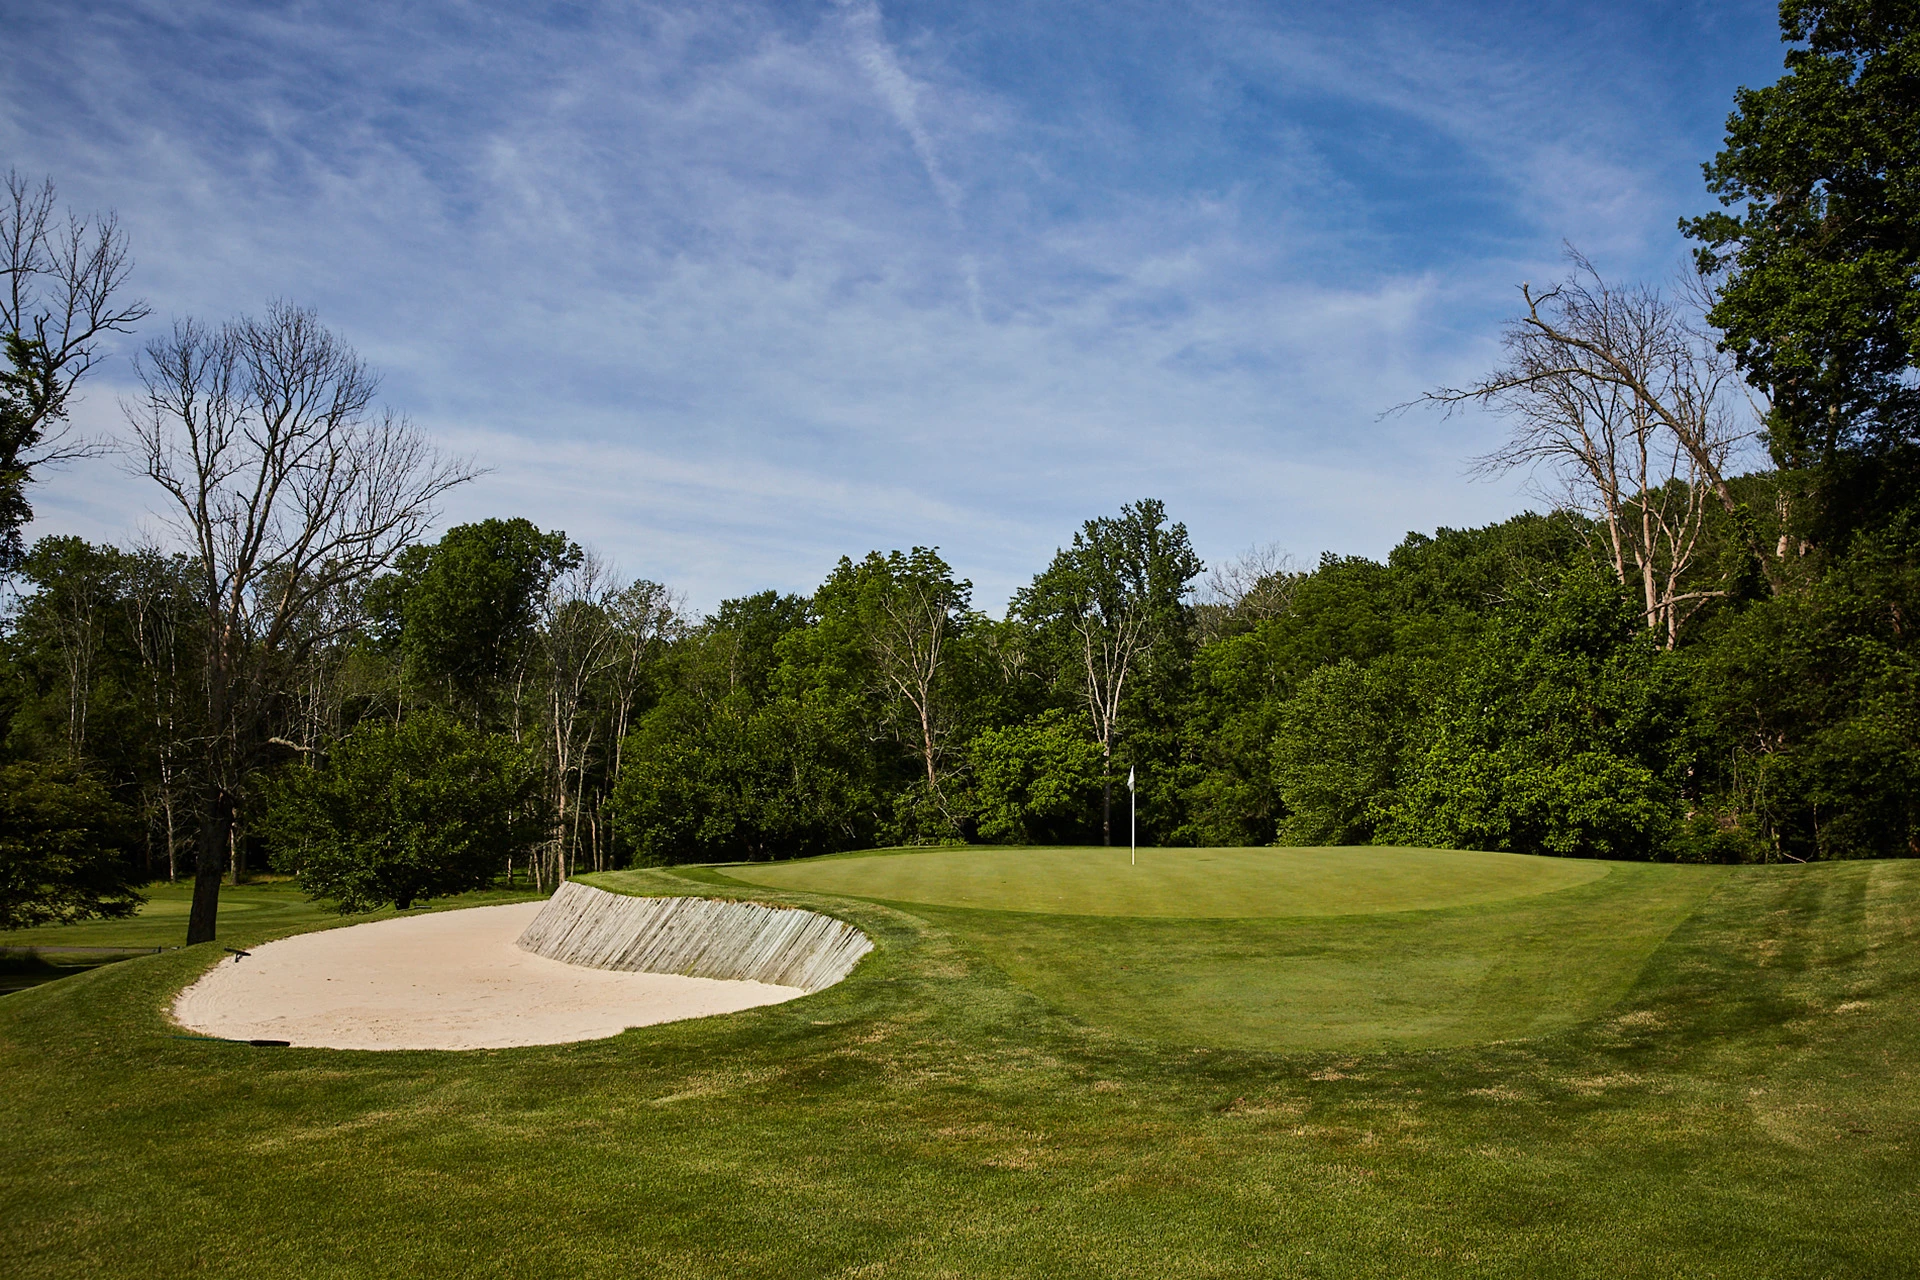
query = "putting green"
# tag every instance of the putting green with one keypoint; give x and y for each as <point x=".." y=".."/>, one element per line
<point x="1341" y="948"/>
<point x="1182" y="883"/>
<point x="1522" y="967"/>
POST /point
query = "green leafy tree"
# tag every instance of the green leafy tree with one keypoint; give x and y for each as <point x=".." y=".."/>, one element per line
<point x="1561" y="734"/>
<point x="29" y="404"/>
<point x="468" y="605"/>
<point x="160" y="608"/>
<point x="883" y="640"/>
<point x="70" y="643"/>
<point x="64" y="848"/>
<point x="1425" y="609"/>
<point x="1035" y="783"/>
<point x="1820" y="242"/>
<point x="1338" y="752"/>
<point x="739" y="647"/>
<point x="1230" y="721"/>
<point x="758" y="746"/>
<point x="1112" y="619"/>
<point x="1809" y="707"/>
<point x="706" y="782"/>
<point x="400" y="813"/>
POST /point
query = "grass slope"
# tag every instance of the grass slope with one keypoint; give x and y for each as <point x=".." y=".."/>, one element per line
<point x="1747" y="1109"/>
<point x="1273" y="959"/>
<point x="1185" y="883"/>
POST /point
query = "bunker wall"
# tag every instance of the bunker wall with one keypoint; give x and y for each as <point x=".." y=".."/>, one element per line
<point x="698" y="937"/>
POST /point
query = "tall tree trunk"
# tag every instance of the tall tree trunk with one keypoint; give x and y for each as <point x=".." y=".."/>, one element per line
<point x="166" y="803"/>
<point x="216" y="827"/>
<point x="216" y="819"/>
<point x="1106" y="793"/>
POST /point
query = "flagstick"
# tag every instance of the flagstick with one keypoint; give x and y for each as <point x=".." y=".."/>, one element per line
<point x="1133" y="823"/>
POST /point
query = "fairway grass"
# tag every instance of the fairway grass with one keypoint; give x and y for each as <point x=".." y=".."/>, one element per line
<point x="275" y="906"/>
<point x="159" y="923"/>
<point x="269" y="907"/>
<point x="1182" y="883"/>
<point x="1747" y="1108"/>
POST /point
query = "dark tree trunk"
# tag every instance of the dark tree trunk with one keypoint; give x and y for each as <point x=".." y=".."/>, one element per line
<point x="216" y="830"/>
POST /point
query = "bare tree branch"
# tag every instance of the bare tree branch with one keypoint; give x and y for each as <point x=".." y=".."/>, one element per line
<point x="60" y="301"/>
<point x="1255" y="586"/>
<point x="1627" y="405"/>
<point x="290" y="491"/>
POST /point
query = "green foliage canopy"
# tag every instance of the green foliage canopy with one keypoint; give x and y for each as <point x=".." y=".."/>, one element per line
<point x="1034" y="782"/>
<point x="31" y="398"/>
<point x="466" y="606"/>
<point x="1821" y="172"/>
<point x="396" y="814"/>
<point x="65" y="848"/>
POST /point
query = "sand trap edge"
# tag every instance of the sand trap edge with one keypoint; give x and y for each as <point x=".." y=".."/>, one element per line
<point x="442" y="981"/>
<point x="696" y="937"/>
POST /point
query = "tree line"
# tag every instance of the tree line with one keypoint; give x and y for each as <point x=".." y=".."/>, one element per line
<point x="1703" y="650"/>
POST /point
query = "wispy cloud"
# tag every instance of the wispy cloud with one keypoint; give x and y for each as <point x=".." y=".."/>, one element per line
<point x="731" y="289"/>
<point x="902" y="96"/>
<point x="897" y="90"/>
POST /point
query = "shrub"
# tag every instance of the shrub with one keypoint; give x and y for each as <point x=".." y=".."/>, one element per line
<point x="1036" y="782"/>
<point x="400" y="813"/>
<point x="64" y="848"/>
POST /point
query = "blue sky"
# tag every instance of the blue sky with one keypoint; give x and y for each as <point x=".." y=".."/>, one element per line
<point x="729" y="290"/>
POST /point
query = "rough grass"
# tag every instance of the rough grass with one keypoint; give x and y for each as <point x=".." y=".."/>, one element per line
<point x="269" y="907"/>
<point x="1747" y="1109"/>
<point x="29" y="957"/>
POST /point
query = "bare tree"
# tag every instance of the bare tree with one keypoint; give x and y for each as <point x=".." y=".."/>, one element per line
<point x="1627" y="406"/>
<point x="577" y="641"/>
<point x="911" y="609"/>
<point x="61" y="300"/>
<point x="288" y="488"/>
<point x="1255" y="586"/>
<point x="159" y="605"/>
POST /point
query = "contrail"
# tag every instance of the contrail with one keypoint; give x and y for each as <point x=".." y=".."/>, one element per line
<point x="902" y="96"/>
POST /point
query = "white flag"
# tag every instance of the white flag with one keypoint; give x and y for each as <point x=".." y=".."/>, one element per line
<point x="1129" y="777"/>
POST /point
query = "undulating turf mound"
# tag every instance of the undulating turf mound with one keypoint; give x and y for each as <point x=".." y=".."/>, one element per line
<point x="1185" y="883"/>
<point x="1748" y="1108"/>
<point x="1274" y="949"/>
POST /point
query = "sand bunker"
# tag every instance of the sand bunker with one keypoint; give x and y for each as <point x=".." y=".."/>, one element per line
<point x="450" y="980"/>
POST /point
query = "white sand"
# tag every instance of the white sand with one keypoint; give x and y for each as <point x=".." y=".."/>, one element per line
<point x="449" y="980"/>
